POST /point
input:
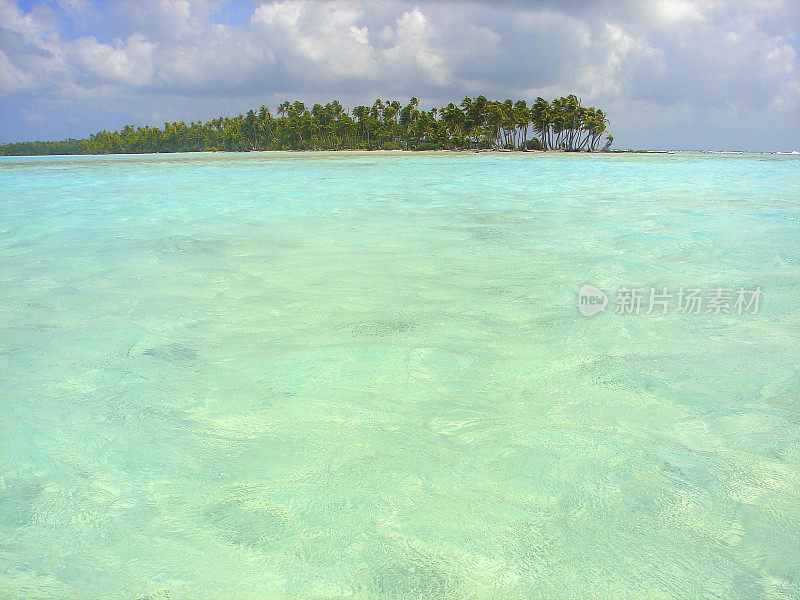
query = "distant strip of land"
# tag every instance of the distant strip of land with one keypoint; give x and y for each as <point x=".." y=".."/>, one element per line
<point x="474" y="124"/>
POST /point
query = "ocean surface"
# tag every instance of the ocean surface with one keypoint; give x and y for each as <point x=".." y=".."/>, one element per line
<point x="366" y="376"/>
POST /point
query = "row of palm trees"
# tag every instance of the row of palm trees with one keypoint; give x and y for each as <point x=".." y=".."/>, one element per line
<point x="566" y="124"/>
<point x="475" y="123"/>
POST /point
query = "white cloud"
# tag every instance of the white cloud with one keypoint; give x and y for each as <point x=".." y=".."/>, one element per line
<point x="321" y="42"/>
<point x="673" y="12"/>
<point x="11" y="78"/>
<point x="619" y="58"/>
<point x="13" y="19"/>
<point x="411" y="53"/>
<point x="129" y="62"/>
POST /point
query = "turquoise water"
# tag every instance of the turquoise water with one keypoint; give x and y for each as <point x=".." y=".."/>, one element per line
<point x="364" y="375"/>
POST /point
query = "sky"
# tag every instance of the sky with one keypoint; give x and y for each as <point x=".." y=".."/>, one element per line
<point x="670" y="74"/>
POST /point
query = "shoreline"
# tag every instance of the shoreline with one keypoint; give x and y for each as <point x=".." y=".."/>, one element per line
<point x="404" y="152"/>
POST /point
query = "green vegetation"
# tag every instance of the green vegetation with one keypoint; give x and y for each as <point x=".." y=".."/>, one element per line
<point x="477" y="123"/>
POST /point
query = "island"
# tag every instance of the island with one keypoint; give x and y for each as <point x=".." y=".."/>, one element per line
<point x="474" y="124"/>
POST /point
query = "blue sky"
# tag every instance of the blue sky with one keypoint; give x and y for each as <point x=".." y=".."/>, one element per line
<point x="684" y="74"/>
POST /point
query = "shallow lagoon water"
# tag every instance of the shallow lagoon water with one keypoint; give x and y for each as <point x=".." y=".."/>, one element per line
<point x="364" y="375"/>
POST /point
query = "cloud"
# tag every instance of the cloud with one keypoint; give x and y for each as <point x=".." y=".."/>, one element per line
<point x="70" y="67"/>
<point x="412" y="55"/>
<point x="669" y="13"/>
<point x="11" y="78"/>
<point x="619" y="60"/>
<point x="321" y="43"/>
<point x="128" y="62"/>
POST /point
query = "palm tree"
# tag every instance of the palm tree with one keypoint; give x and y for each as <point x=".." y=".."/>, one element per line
<point x="522" y="118"/>
<point x="477" y="122"/>
<point x="541" y="117"/>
